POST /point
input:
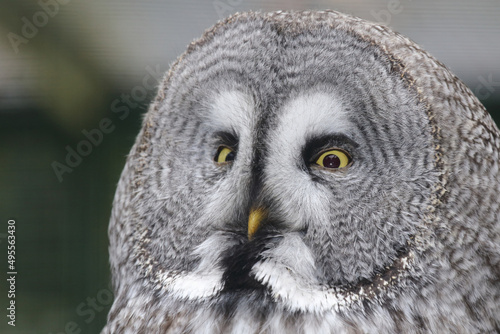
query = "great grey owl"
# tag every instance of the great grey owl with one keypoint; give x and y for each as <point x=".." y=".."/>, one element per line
<point x="308" y="172"/>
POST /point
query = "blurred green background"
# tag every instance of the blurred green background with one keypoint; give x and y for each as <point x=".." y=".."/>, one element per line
<point x="69" y="67"/>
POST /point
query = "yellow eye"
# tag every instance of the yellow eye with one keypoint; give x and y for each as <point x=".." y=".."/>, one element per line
<point x="224" y="154"/>
<point x="334" y="159"/>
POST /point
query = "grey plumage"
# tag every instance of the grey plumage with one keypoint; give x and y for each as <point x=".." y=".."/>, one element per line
<point x="406" y="238"/>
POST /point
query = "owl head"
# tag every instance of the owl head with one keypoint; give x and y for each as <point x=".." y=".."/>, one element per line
<point x="302" y="163"/>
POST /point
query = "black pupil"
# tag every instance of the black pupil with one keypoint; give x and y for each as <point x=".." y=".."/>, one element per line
<point x="331" y="161"/>
<point x="230" y="156"/>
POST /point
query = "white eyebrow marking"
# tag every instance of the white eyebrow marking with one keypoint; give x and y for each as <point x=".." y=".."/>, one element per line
<point x="308" y="115"/>
<point x="312" y="113"/>
<point x="232" y="111"/>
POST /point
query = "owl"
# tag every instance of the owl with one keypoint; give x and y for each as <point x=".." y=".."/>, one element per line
<point x="308" y="172"/>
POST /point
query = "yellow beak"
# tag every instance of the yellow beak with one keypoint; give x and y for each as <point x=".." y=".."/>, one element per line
<point x="254" y="220"/>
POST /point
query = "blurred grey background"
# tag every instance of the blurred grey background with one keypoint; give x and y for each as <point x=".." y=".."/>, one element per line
<point x="75" y="78"/>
